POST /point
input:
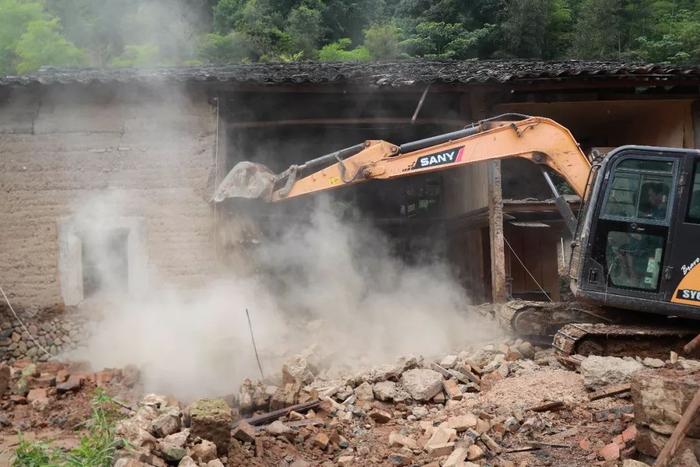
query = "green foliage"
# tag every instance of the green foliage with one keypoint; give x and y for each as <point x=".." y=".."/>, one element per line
<point x="234" y="47"/>
<point x="36" y="454"/>
<point x="382" y="41"/>
<point x="678" y="39"/>
<point x="445" y="40"/>
<point x="172" y="32"/>
<point x="97" y="447"/>
<point x="536" y="28"/>
<point x="599" y="30"/>
<point x="304" y="28"/>
<point x="339" y="51"/>
<point x="137" y="56"/>
<point x="227" y="15"/>
<point x="43" y="44"/>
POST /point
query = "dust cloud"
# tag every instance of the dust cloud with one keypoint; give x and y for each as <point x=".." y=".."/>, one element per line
<point x="328" y="281"/>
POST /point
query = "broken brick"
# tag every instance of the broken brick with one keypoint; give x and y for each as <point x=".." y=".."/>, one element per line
<point x="462" y="422"/>
<point x="474" y="452"/>
<point x="629" y="434"/>
<point x="321" y="440"/>
<point x="245" y="432"/>
<point x="439" y="450"/>
<point x="451" y="389"/>
<point x="397" y="439"/>
<point x="585" y="444"/>
<point x="610" y="452"/>
<point x="73" y="383"/>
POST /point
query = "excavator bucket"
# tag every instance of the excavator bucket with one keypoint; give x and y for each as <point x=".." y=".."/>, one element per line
<point x="246" y="180"/>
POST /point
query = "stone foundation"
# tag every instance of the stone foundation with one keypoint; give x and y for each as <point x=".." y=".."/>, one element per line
<point x="56" y="332"/>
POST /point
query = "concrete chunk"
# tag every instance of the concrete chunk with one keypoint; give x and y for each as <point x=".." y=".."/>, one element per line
<point x="422" y="384"/>
<point x="456" y="458"/>
<point x="397" y="439"/>
<point x="462" y="422"/>
<point x="599" y="372"/>
<point x="441" y="435"/>
<point x="211" y="419"/>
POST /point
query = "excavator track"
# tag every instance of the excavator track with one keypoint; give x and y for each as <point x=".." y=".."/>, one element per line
<point x="621" y="339"/>
<point x="584" y="329"/>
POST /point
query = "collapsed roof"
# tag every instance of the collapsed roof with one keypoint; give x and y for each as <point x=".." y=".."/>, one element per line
<point x="379" y="74"/>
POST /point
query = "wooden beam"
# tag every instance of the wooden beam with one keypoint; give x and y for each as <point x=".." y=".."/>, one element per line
<point x="499" y="291"/>
<point x="348" y="121"/>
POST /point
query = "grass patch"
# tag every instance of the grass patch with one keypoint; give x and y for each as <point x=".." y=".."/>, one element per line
<point x="97" y="447"/>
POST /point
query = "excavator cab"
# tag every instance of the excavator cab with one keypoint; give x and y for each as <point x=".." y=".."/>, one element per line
<point x="639" y="238"/>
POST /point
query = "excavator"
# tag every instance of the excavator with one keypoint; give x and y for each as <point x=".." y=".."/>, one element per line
<point x="635" y="254"/>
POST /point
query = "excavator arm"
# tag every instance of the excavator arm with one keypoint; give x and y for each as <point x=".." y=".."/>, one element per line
<point x="537" y="139"/>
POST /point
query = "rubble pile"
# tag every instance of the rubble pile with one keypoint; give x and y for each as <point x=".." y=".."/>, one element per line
<point x="41" y="395"/>
<point x="505" y="404"/>
<point x="509" y="404"/>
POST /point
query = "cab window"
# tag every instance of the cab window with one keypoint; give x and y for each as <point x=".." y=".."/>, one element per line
<point x="634" y="259"/>
<point x="640" y="189"/>
<point x="694" y="207"/>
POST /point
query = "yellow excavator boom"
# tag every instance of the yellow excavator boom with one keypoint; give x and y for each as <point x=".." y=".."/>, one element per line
<point x="538" y="139"/>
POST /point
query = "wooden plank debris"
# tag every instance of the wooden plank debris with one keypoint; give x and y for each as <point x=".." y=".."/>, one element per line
<point x="609" y="391"/>
<point x="691" y="346"/>
<point x="270" y="417"/>
<point x="547" y="406"/>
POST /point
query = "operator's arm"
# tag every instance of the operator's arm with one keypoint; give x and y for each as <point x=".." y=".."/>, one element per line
<point x="537" y="139"/>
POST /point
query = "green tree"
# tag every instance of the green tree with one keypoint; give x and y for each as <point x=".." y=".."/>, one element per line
<point x="349" y="18"/>
<point x="227" y="15"/>
<point x="677" y="39"/>
<point x="438" y="40"/>
<point x="14" y="18"/>
<point x="599" y="31"/>
<point x="31" y="37"/>
<point x="263" y="28"/>
<point x="382" y="41"/>
<point x="536" y="28"/>
<point x="43" y="44"/>
<point x="305" y="27"/>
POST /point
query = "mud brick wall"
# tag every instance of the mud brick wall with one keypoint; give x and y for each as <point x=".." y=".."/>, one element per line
<point x="61" y="146"/>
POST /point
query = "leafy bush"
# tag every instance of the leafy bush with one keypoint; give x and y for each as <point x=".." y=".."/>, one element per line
<point x="339" y="51"/>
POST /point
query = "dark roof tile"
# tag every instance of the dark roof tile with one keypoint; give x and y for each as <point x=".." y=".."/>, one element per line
<point x="395" y="74"/>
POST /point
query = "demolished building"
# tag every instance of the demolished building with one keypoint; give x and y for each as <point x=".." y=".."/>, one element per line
<point x="169" y="136"/>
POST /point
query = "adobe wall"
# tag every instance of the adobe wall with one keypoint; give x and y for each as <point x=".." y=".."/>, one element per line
<point x="64" y="147"/>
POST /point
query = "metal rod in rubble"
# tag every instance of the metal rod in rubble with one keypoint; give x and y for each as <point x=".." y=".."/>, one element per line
<point x="255" y="348"/>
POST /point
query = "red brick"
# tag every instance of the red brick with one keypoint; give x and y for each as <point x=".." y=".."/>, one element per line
<point x="610" y="452"/>
<point x="585" y="444"/>
<point x="629" y="434"/>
